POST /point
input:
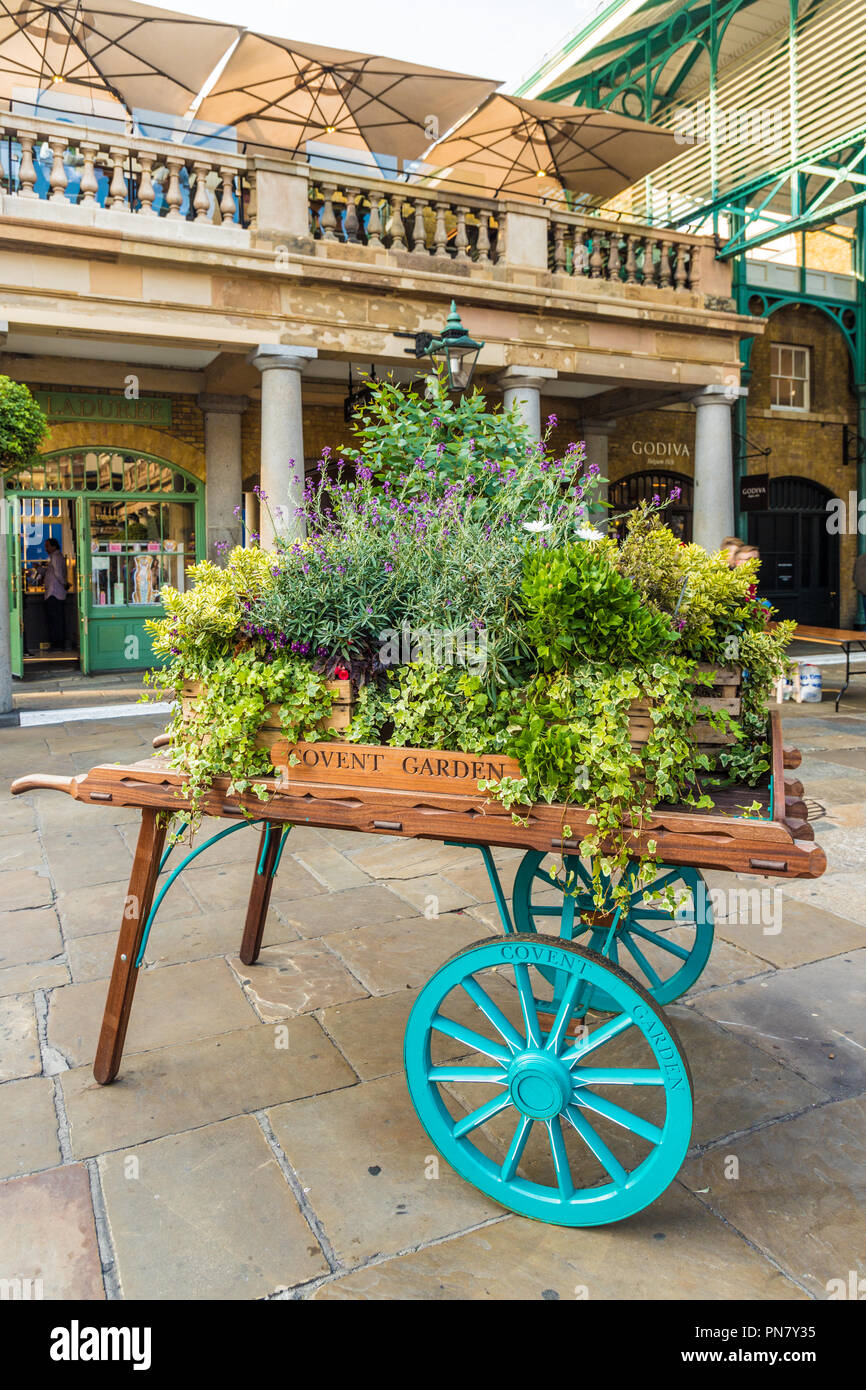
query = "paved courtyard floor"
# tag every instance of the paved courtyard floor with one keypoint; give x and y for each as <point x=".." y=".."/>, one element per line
<point x="260" y="1141"/>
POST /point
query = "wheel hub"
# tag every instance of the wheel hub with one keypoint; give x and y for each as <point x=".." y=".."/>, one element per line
<point x="540" y="1085"/>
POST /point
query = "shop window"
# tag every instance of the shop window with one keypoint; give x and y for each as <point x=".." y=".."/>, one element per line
<point x="789" y="377"/>
<point x="137" y="547"/>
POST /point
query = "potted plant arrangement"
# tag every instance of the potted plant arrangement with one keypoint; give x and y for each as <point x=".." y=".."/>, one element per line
<point x="452" y="593"/>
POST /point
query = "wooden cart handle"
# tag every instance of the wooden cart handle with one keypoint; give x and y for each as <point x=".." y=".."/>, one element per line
<point x="44" y="781"/>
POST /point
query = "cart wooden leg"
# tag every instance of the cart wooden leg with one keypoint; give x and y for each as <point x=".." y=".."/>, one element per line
<point x="142" y="882"/>
<point x="260" y="892"/>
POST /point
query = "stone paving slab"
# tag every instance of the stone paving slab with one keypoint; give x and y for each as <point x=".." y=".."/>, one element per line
<point x="813" y="1018"/>
<point x="206" y="1214"/>
<point x="86" y="911"/>
<point x="21" y="851"/>
<point x="674" y="1247"/>
<point x="24" y="888"/>
<point x="363" y="1159"/>
<point x="346" y="910"/>
<point x="396" y="954"/>
<point x="807" y="933"/>
<point x="799" y="1194"/>
<point x="177" y="1004"/>
<point x="839" y="893"/>
<point x="19" y="1044"/>
<point x="24" y="979"/>
<point x="28" y="936"/>
<point x="295" y="979"/>
<point x="47" y="1233"/>
<point x="219" y="885"/>
<point x="173" y="1089"/>
<point x="28" y="1126"/>
<point x="173" y="942"/>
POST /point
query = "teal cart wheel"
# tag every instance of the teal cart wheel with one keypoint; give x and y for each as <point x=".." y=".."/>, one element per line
<point x="666" y="952"/>
<point x="579" y="1124"/>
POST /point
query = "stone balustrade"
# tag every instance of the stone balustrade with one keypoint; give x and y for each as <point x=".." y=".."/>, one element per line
<point x="400" y="217"/>
<point x="600" y="250"/>
<point x="58" y="163"/>
<point x="279" y="200"/>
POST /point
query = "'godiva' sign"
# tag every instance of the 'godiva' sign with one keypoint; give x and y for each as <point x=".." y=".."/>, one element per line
<point x="88" y="406"/>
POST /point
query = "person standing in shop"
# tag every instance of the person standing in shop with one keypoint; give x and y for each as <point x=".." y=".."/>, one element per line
<point x="55" y="594"/>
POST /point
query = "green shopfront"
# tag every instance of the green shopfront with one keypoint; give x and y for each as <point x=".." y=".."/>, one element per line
<point x="127" y="523"/>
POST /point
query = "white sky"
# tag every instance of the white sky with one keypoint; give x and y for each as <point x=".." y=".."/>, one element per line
<point x="502" y="39"/>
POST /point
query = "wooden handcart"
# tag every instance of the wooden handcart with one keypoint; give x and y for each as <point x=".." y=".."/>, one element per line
<point x="520" y="1049"/>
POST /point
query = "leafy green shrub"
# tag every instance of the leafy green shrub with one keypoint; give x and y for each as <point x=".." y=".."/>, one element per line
<point x="216" y="736"/>
<point x="429" y="706"/>
<point x="22" y="424"/>
<point x="579" y="608"/>
<point x="451" y="436"/>
<point x="206" y="620"/>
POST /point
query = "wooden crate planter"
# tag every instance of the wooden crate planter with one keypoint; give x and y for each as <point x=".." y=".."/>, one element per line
<point x="722" y="684"/>
<point x="270" y="730"/>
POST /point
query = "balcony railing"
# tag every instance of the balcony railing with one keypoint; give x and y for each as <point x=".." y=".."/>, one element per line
<point x="65" y="165"/>
<point x="48" y="161"/>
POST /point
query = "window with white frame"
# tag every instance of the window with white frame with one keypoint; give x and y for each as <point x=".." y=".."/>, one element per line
<point x="789" y="377"/>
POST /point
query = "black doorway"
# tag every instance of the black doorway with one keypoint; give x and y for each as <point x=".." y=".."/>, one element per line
<point x="799" y="558"/>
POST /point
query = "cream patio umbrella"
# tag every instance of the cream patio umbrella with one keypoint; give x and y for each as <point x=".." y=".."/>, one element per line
<point x="278" y="93"/>
<point x="522" y="149"/>
<point x="138" y="56"/>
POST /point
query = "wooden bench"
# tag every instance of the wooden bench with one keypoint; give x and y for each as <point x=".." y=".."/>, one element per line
<point x="843" y="637"/>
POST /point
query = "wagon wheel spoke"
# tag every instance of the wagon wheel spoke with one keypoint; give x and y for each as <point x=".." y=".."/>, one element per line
<point x="560" y="1158"/>
<point x="476" y="1041"/>
<point x="632" y="947"/>
<point x="611" y="1029"/>
<point x="596" y="1145"/>
<point x="657" y="914"/>
<point x="492" y="1075"/>
<point x="527" y="1005"/>
<point x="481" y="1115"/>
<point x="673" y="948"/>
<point x="618" y="1114"/>
<point x="516" y="1147"/>
<point x="621" y="1076"/>
<point x="563" y="1014"/>
<point x="492" y="1012"/>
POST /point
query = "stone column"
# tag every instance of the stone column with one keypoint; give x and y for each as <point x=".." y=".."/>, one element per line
<point x="223" y="482"/>
<point x="282" y="436"/>
<point x="524" y="385"/>
<point x="595" y="434"/>
<point x="714" y="465"/>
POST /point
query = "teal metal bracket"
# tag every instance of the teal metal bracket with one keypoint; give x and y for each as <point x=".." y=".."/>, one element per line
<point x="493" y="875"/>
<point x="282" y="831"/>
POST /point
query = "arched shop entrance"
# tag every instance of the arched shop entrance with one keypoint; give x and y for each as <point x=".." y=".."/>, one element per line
<point x="799" y="558"/>
<point x="656" y="482"/>
<point x="128" y="523"/>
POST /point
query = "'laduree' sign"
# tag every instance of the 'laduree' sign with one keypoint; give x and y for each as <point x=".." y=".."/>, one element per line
<point x="404" y="769"/>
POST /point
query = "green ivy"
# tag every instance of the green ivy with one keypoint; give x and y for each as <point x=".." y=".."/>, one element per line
<point x="217" y="735"/>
